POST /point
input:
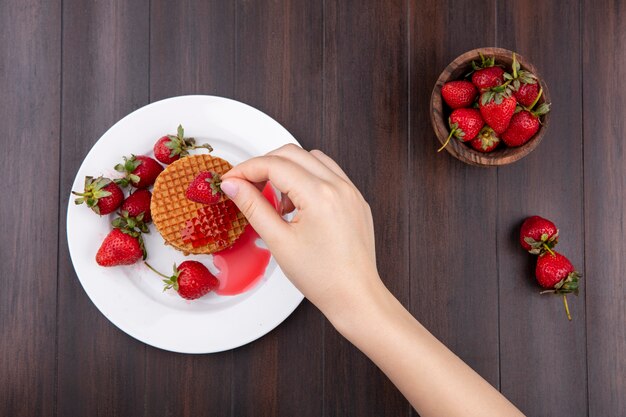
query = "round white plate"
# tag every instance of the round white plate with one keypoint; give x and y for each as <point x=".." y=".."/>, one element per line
<point x="131" y="297"/>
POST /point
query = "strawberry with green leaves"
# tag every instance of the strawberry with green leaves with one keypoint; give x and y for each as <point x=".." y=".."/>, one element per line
<point x="205" y="188"/>
<point x="140" y="171"/>
<point x="138" y="203"/>
<point x="486" y="141"/>
<point x="538" y="235"/>
<point x="124" y="244"/>
<point x="170" y="148"/>
<point x="191" y="280"/>
<point x="487" y="74"/>
<point x="458" y="94"/>
<point x="464" y="125"/>
<point x="523" y="84"/>
<point x="497" y="108"/>
<point x="557" y="274"/>
<point x="101" y="194"/>
<point x="120" y="248"/>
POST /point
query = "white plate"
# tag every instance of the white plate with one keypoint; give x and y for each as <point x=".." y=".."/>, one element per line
<point x="131" y="297"/>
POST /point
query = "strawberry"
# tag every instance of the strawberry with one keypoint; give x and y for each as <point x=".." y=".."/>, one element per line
<point x="523" y="126"/>
<point x="486" y="75"/>
<point x="486" y="141"/>
<point x="138" y="203"/>
<point x="140" y="171"/>
<point x="496" y="108"/>
<point x="119" y="248"/>
<point x="459" y="94"/>
<point x="538" y="235"/>
<point x="526" y="94"/>
<point x="102" y="195"/>
<point x="170" y="148"/>
<point x="464" y="125"/>
<point x="523" y="84"/>
<point x="205" y="188"/>
<point x="191" y="280"/>
<point x="555" y="272"/>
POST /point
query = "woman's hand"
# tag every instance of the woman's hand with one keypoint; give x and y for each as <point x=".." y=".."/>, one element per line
<point x="327" y="250"/>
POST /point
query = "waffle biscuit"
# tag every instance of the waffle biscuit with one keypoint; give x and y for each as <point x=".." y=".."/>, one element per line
<point x="189" y="226"/>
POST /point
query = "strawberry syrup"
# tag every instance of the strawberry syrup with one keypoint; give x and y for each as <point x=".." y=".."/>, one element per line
<point x="243" y="265"/>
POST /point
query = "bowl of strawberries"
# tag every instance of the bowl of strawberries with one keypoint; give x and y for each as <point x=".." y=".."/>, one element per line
<point x="489" y="107"/>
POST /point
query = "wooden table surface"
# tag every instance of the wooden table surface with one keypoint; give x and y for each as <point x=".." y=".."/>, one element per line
<point x="352" y="78"/>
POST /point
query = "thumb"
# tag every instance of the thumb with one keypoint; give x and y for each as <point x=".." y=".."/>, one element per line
<point x="259" y="212"/>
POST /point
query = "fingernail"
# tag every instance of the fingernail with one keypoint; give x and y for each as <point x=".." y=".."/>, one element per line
<point x="229" y="188"/>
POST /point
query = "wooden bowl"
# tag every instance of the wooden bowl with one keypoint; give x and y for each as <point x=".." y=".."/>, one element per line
<point x="439" y="111"/>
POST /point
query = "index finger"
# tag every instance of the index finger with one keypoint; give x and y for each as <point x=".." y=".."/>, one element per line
<point x="287" y="176"/>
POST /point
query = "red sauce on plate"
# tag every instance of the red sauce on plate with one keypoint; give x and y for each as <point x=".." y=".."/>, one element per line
<point x="243" y="265"/>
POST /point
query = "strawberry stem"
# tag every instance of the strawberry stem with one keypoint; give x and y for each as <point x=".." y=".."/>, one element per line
<point x="206" y="145"/>
<point x="447" y="140"/>
<point x="536" y="99"/>
<point x="155" y="271"/>
<point x="548" y="249"/>
<point x="569" y="317"/>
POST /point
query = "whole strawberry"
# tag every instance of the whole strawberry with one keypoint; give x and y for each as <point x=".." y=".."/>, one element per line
<point x="496" y="108"/>
<point x="556" y="273"/>
<point x="486" y="141"/>
<point x="120" y="248"/>
<point x="101" y="194"/>
<point x="538" y="235"/>
<point x="524" y="125"/>
<point x="527" y="94"/>
<point x="464" y="125"/>
<point x="140" y="171"/>
<point x="205" y="188"/>
<point x="523" y="84"/>
<point x="458" y="94"/>
<point x="191" y="280"/>
<point x="170" y="148"/>
<point x="486" y="75"/>
<point x="138" y="203"/>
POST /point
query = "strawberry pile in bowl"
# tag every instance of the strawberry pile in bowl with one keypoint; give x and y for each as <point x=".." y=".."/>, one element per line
<point x="489" y="107"/>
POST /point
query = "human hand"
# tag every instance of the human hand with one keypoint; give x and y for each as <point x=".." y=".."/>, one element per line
<point x="327" y="249"/>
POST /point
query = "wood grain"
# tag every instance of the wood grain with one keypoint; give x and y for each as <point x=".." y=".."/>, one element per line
<point x="542" y="354"/>
<point x="191" y="52"/>
<point x="353" y="79"/>
<point x="454" y="280"/>
<point x="604" y="106"/>
<point x="105" y="66"/>
<point x="29" y="166"/>
<point x="278" y="70"/>
<point x="365" y="130"/>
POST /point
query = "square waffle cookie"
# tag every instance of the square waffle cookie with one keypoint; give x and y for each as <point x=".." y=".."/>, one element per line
<point x="189" y="226"/>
